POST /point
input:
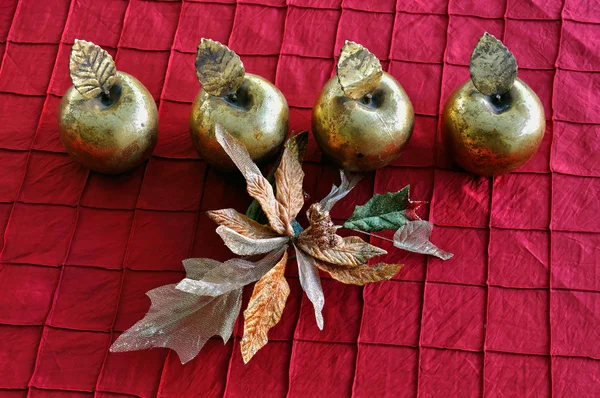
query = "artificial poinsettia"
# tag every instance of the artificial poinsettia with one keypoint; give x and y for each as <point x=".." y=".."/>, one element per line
<point x="183" y="316"/>
<point x="207" y="302"/>
<point x="316" y="247"/>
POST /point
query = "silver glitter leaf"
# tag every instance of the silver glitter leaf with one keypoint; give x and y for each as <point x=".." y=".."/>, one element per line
<point x="414" y="237"/>
<point x="339" y="192"/>
<point x="181" y="321"/>
<point x="244" y="246"/>
<point x="196" y="268"/>
<point x="311" y="283"/>
<point x="231" y="275"/>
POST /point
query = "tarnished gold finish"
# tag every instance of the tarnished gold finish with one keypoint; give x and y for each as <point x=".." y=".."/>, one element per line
<point x="488" y="137"/>
<point x="112" y="133"/>
<point x="219" y="70"/>
<point x="363" y="134"/>
<point x="358" y="70"/>
<point x="252" y="110"/>
<point x="493" y="67"/>
<point x="493" y="123"/>
<point x="257" y="115"/>
<point x="92" y="69"/>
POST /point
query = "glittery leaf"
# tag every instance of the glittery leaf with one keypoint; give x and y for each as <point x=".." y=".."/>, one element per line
<point x="360" y="274"/>
<point x="311" y="284"/>
<point x="289" y="175"/>
<point x="414" y="236"/>
<point x="264" y="309"/>
<point x="93" y="70"/>
<point x="338" y="192"/>
<point x="384" y="211"/>
<point x="351" y="251"/>
<point x="321" y="231"/>
<point x="181" y="321"/>
<point x="260" y="189"/>
<point x="244" y="246"/>
<point x="241" y="224"/>
<point x="219" y="70"/>
<point x="230" y="275"/>
<point x="257" y="186"/>
<point x="254" y="211"/>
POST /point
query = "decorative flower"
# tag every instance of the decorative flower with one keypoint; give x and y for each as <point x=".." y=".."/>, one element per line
<point x="184" y="316"/>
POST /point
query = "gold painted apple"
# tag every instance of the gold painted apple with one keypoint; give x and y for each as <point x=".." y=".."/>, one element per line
<point x="493" y="123"/>
<point x="107" y="120"/>
<point x="248" y="106"/>
<point x="363" y="118"/>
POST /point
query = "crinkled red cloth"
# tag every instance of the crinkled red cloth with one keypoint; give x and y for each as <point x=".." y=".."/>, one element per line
<point x="515" y="312"/>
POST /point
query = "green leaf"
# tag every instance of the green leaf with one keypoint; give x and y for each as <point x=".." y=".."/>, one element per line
<point x="297" y="227"/>
<point x="391" y="210"/>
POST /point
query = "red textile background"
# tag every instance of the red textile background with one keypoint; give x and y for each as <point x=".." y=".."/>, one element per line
<point x="515" y="312"/>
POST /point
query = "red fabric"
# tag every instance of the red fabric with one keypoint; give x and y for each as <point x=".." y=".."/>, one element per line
<point x="515" y="312"/>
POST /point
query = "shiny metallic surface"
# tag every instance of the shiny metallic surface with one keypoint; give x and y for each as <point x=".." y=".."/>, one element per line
<point x="110" y="135"/>
<point x="364" y="134"/>
<point x="257" y="116"/>
<point x="493" y="137"/>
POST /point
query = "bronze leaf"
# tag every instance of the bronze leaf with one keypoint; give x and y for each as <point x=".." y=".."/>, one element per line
<point x="241" y="224"/>
<point x="360" y="274"/>
<point x="264" y="309"/>
<point x="289" y="175"/>
<point x="351" y="251"/>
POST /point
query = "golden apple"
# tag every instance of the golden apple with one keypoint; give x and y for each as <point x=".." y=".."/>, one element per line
<point x="248" y="106"/>
<point x="493" y="123"/>
<point x="363" y="118"/>
<point x="108" y="123"/>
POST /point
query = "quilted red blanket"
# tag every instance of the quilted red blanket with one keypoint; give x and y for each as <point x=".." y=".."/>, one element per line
<point x="516" y="312"/>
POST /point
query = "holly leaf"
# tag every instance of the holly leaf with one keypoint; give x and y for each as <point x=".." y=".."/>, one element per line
<point x="181" y="321"/>
<point x="384" y="211"/>
<point x="244" y="246"/>
<point x="311" y="284"/>
<point x="360" y="274"/>
<point x="289" y="175"/>
<point x="414" y="237"/>
<point x="241" y="224"/>
<point x="227" y="276"/>
<point x="264" y="309"/>
<point x="92" y="69"/>
<point x="257" y="186"/>
<point x="351" y="250"/>
<point x="219" y="70"/>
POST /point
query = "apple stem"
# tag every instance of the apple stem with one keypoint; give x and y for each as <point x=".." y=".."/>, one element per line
<point x="233" y="97"/>
<point x="367" y="98"/>
<point x="105" y="98"/>
<point x="496" y="99"/>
